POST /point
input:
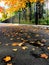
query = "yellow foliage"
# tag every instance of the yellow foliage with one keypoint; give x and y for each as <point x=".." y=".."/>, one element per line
<point x="7" y="58"/>
<point x="15" y="5"/>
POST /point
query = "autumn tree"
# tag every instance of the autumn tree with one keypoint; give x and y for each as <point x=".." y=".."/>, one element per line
<point x="17" y="5"/>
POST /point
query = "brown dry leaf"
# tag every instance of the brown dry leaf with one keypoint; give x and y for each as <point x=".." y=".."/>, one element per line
<point x="37" y="35"/>
<point x="32" y="42"/>
<point x="6" y="44"/>
<point x="44" y="56"/>
<point x="21" y="31"/>
<point x="37" y="47"/>
<point x="16" y="33"/>
<point x="9" y="64"/>
<point x="22" y="39"/>
<point x="15" y="44"/>
<point x="25" y="47"/>
<point x="20" y="44"/>
<point x="39" y="42"/>
<point x="8" y="35"/>
<point x="0" y="42"/>
<point x="25" y="33"/>
<point x="42" y="44"/>
<point x="7" y="58"/>
<point x="18" y="38"/>
<point x="43" y="40"/>
<point x="11" y="38"/>
<point x="14" y="49"/>
<point x="35" y="30"/>
<point x="28" y="36"/>
<point x="4" y="30"/>
<point x="48" y="48"/>
<point x="33" y="49"/>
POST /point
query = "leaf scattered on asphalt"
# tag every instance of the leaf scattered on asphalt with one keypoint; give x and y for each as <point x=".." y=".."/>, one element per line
<point x="20" y="44"/>
<point x="7" y="58"/>
<point x="6" y="44"/>
<point x="48" y="48"/>
<point x="44" y="56"/>
<point x="14" y="49"/>
<point x="14" y="44"/>
<point x="9" y="64"/>
<point x="25" y="47"/>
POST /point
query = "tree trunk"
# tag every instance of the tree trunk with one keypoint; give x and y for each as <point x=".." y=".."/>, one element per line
<point x="39" y="12"/>
<point x="30" y="11"/>
<point x="24" y="14"/>
<point x="19" y="16"/>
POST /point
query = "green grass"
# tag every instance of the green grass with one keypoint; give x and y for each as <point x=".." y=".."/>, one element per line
<point x="25" y="22"/>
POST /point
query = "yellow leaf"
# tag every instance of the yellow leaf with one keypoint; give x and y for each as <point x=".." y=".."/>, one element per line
<point x="25" y="47"/>
<point x="7" y="58"/>
<point x="15" y="44"/>
<point x="9" y="64"/>
<point x="14" y="49"/>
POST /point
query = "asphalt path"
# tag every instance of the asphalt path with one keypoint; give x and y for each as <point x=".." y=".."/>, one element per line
<point x="24" y="45"/>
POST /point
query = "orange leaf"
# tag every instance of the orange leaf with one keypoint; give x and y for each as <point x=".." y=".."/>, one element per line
<point x="44" y="56"/>
<point x="1" y="9"/>
<point x="9" y="64"/>
<point x="15" y="44"/>
<point x="7" y="58"/>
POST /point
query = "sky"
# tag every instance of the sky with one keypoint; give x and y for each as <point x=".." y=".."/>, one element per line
<point x="3" y="5"/>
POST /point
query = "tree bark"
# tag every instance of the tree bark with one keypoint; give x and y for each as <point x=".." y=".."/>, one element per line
<point x="19" y="16"/>
<point x="39" y="12"/>
<point x="30" y="12"/>
<point x="24" y="14"/>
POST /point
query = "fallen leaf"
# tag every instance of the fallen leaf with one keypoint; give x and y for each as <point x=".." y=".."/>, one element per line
<point x="21" y="31"/>
<point x="8" y="35"/>
<point x="9" y="64"/>
<point x="14" y="49"/>
<point x="42" y="44"/>
<point x="48" y="48"/>
<point x="7" y="58"/>
<point x="44" y="56"/>
<point x="20" y="44"/>
<point x="25" y="47"/>
<point x="33" y="49"/>
<point x="39" y="42"/>
<point x="15" y="44"/>
<point x="32" y="42"/>
<point x="28" y="36"/>
<point x="22" y="39"/>
<point x="37" y="35"/>
<point x="0" y="42"/>
<point x="43" y="40"/>
<point x="6" y="44"/>
<point x="18" y="38"/>
<point x="16" y="33"/>
<point x="11" y="38"/>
